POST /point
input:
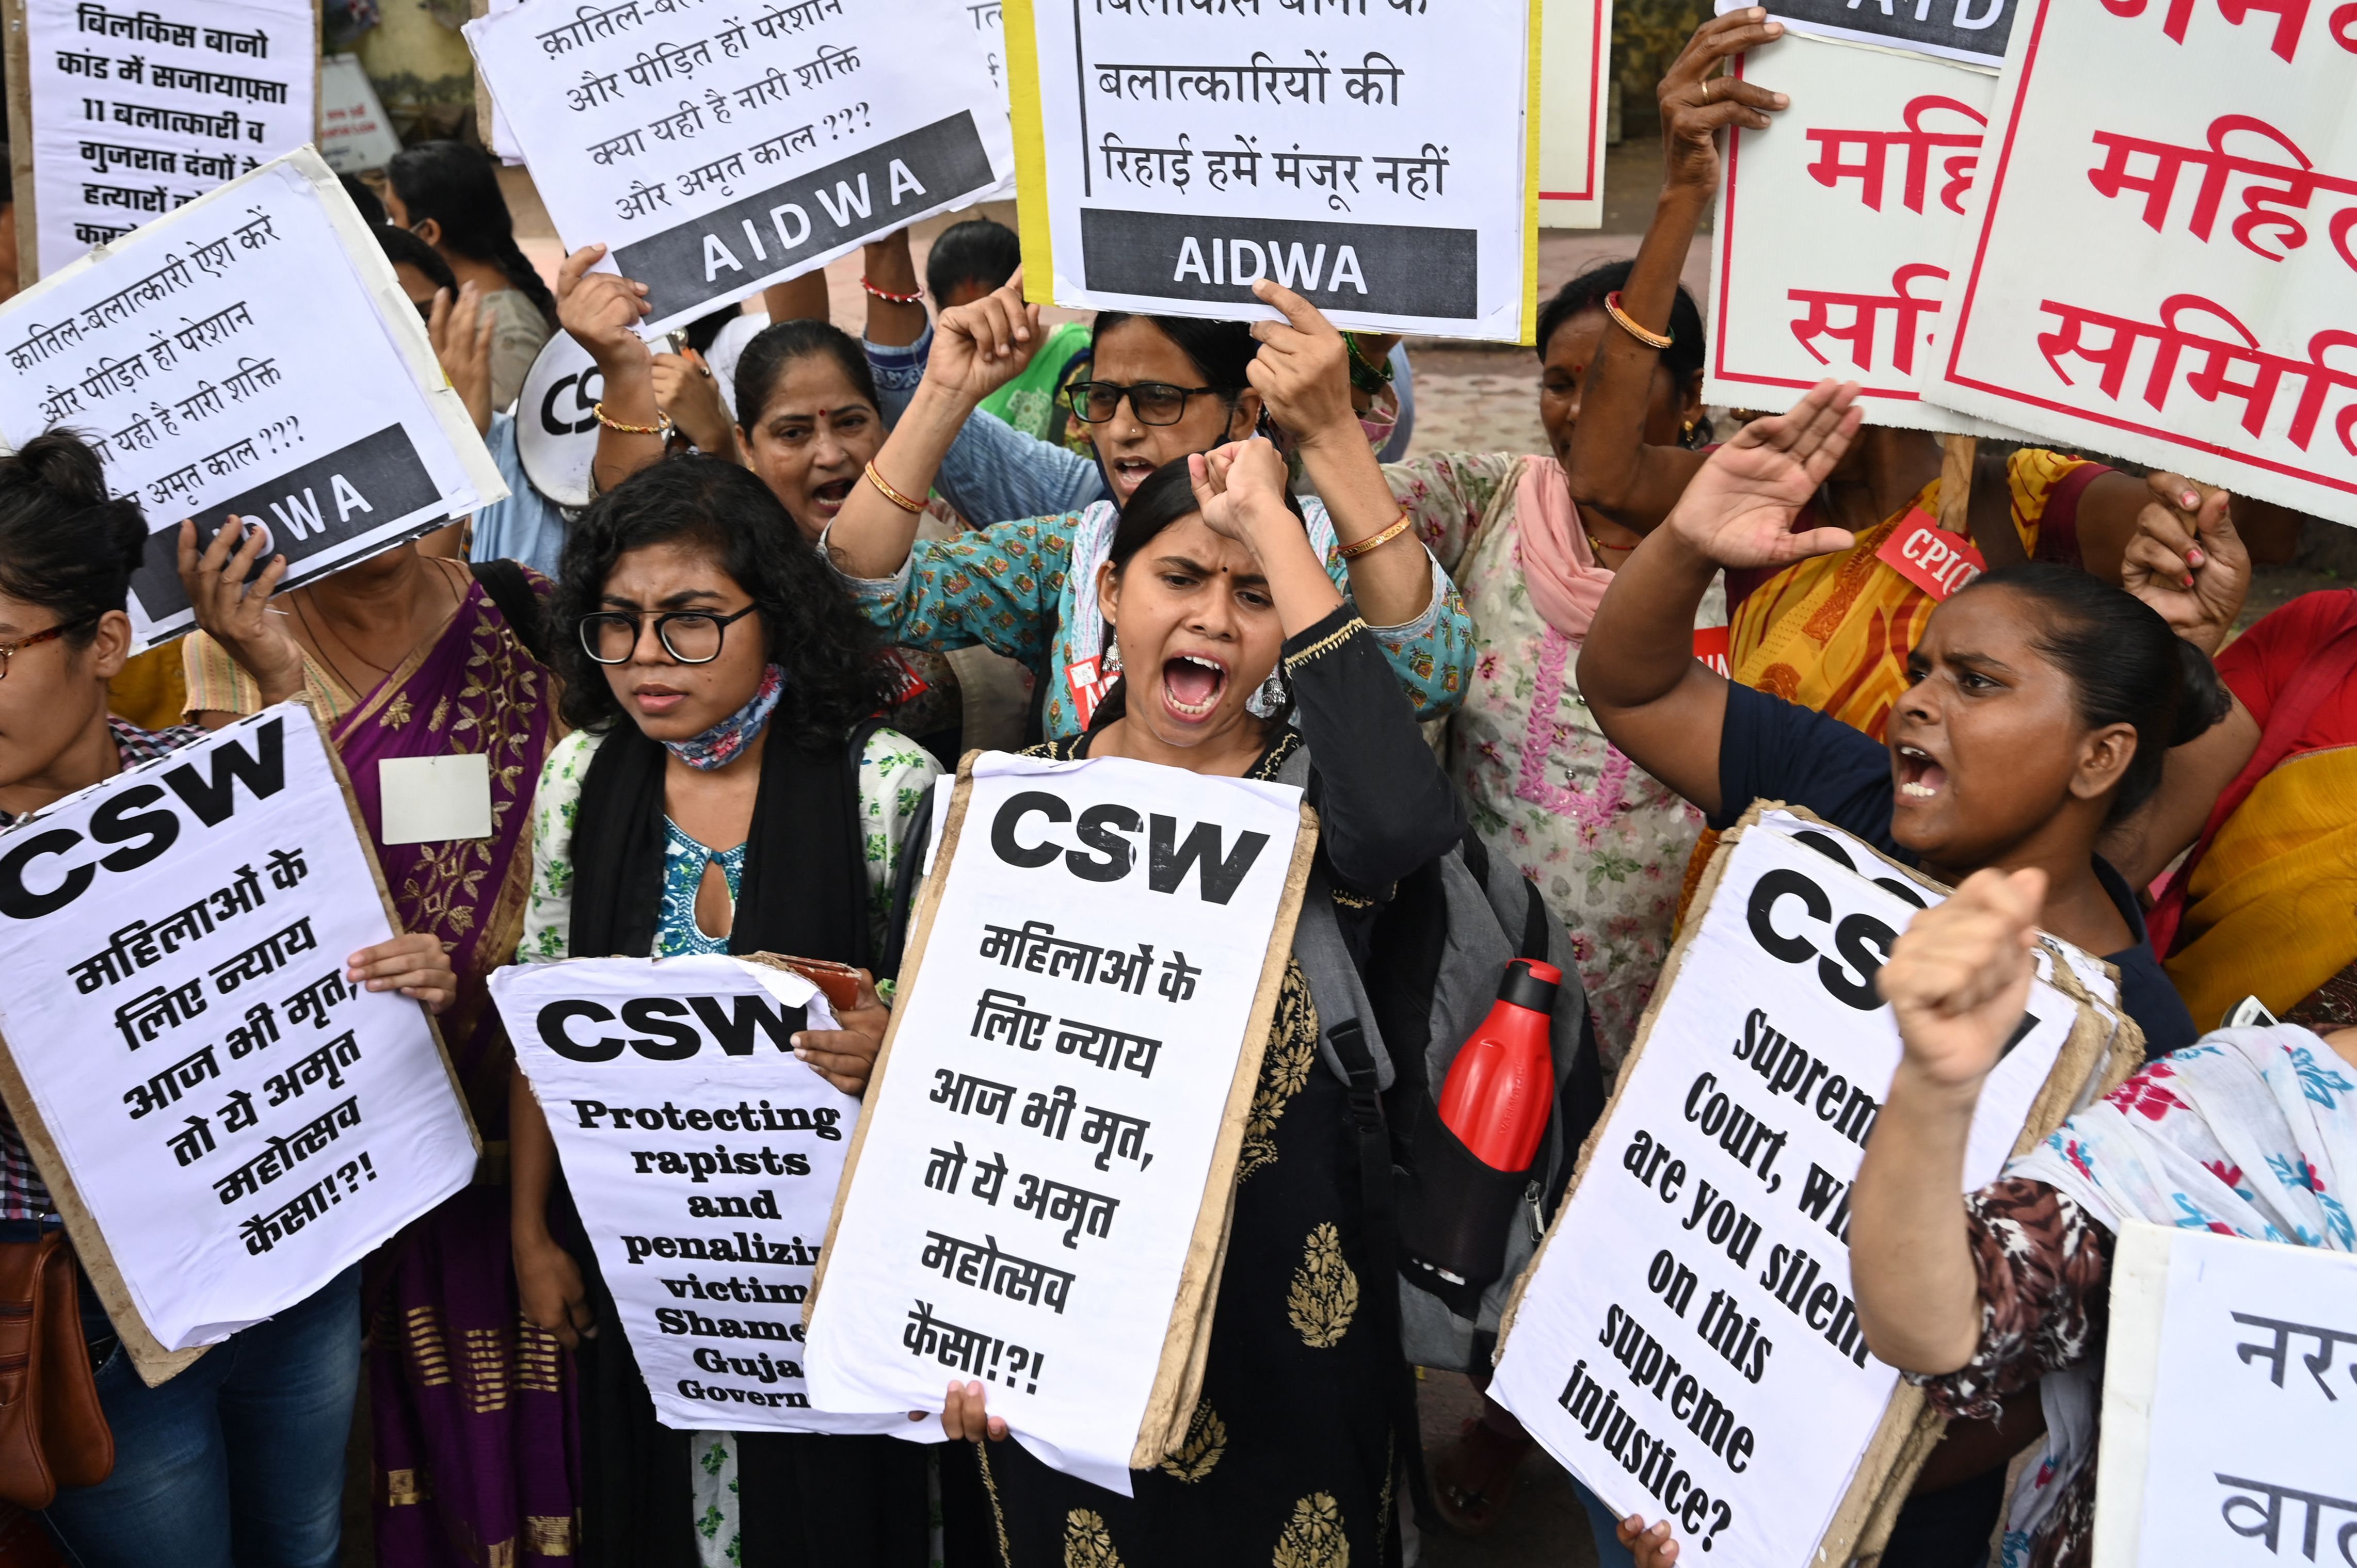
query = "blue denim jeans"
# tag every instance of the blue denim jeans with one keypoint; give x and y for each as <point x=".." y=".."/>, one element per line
<point x="236" y="1463"/>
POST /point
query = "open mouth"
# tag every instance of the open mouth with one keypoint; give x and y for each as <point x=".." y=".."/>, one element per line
<point x="1920" y="778"/>
<point x="1192" y="685"/>
<point x="829" y="497"/>
<point x="1128" y="473"/>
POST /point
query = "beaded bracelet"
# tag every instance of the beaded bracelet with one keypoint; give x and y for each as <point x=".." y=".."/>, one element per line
<point x="1375" y="542"/>
<point x="884" y="487"/>
<point x="1651" y="340"/>
<point x="887" y="296"/>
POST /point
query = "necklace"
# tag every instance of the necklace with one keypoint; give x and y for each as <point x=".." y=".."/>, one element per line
<point x="383" y="672"/>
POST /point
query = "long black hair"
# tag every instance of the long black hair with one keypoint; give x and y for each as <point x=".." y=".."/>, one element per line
<point x="2125" y="666"/>
<point x="773" y="349"/>
<point x="834" y="675"/>
<point x="455" y="186"/>
<point x="1683" y="359"/>
<point x="65" y="544"/>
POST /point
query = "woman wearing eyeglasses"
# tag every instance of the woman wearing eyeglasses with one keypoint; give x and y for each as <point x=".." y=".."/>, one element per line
<point x="1160" y="388"/>
<point x="732" y="792"/>
<point x="248" y="1443"/>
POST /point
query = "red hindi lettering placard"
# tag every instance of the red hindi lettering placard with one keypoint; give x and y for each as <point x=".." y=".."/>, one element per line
<point x="1835" y="224"/>
<point x="2165" y="262"/>
<point x="1927" y="555"/>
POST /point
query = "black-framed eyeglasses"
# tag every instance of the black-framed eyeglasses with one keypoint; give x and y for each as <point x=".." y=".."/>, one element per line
<point x="9" y="651"/>
<point x="692" y="636"/>
<point x="1153" y="403"/>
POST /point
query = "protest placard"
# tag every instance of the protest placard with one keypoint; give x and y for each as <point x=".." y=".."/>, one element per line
<point x="2230" y="1401"/>
<point x="224" y="1121"/>
<point x="1377" y="159"/>
<point x="556" y="420"/>
<point x="1037" y="1194"/>
<point x="703" y="1157"/>
<point x="1834" y="227"/>
<point x="1573" y="88"/>
<point x="135" y="111"/>
<point x="251" y="355"/>
<point x="1974" y="31"/>
<point x="2162" y="263"/>
<point x="1686" y="1342"/>
<point x="716" y="153"/>
<point x="354" y="135"/>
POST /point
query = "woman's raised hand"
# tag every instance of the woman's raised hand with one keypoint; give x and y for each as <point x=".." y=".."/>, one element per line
<point x="1697" y="104"/>
<point x="1959" y="976"/>
<point x="602" y="310"/>
<point x="1303" y="369"/>
<point x="1239" y="486"/>
<point x="1739" y="509"/>
<point x="236" y="613"/>
<point x="979" y="348"/>
<point x="2187" y="562"/>
<point x="689" y="395"/>
<point x="461" y="333"/>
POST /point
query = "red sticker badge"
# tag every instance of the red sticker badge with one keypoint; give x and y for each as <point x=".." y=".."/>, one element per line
<point x="1712" y="648"/>
<point x="1934" y="560"/>
<point x="1088" y="687"/>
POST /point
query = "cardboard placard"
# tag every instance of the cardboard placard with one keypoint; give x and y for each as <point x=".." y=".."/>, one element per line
<point x="1038" y="1192"/>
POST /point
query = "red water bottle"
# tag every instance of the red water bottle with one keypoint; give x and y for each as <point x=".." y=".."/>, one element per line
<point x="1501" y="1089"/>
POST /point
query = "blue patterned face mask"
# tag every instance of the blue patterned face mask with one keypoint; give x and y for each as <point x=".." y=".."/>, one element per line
<point x="726" y="741"/>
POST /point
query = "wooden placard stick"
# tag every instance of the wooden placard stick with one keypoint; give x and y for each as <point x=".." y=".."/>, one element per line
<point x="1957" y="456"/>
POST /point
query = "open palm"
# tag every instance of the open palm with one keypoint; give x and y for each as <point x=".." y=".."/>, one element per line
<point x="1739" y="509"/>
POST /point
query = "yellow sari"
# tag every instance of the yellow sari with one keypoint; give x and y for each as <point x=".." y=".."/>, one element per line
<point x="2272" y="908"/>
<point x="1833" y="633"/>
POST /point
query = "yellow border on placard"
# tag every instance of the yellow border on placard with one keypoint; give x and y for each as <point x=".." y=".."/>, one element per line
<point x="1530" y="188"/>
<point x="1030" y="153"/>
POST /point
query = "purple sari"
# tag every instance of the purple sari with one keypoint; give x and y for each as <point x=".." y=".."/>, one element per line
<point x="476" y="1453"/>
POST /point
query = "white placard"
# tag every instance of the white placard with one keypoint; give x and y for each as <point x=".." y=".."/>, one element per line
<point x="1374" y="160"/>
<point x="251" y="355"/>
<point x="1574" y="56"/>
<point x="354" y="135"/>
<point x="1836" y="225"/>
<point x="556" y="420"/>
<point x="1050" y="1120"/>
<point x="2230" y="1404"/>
<point x="2162" y="263"/>
<point x="240" y="1123"/>
<point x="503" y="140"/>
<point x="1974" y="31"/>
<point x="719" y="150"/>
<point x="139" y="110"/>
<point x="1687" y="1343"/>
<point x="704" y="1158"/>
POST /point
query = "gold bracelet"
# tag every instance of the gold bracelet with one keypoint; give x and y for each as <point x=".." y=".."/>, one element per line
<point x="884" y="487"/>
<point x="1352" y="552"/>
<point x="663" y="425"/>
<point x="1651" y="340"/>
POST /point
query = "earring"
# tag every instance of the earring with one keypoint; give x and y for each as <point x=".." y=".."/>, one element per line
<point x="1686" y="433"/>
<point x="1269" y="699"/>
<point x="1109" y="665"/>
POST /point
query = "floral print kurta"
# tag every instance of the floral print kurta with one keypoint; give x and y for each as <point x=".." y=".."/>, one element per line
<point x="1605" y="842"/>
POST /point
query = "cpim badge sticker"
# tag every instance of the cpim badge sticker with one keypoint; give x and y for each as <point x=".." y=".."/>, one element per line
<point x="1940" y="562"/>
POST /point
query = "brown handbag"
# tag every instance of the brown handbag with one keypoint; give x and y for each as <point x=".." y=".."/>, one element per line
<point x="52" y="1432"/>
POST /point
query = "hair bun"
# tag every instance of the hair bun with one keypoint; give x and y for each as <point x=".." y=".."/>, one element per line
<point x="62" y="462"/>
<point x="2203" y="699"/>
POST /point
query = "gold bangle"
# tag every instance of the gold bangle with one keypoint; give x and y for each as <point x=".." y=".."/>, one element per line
<point x="1352" y="552"/>
<point x="663" y="425"/>
<point x="884" y="487"/>
<point x="1651" y="340"/>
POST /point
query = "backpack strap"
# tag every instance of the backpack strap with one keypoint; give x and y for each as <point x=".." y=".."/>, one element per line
<point x="505" y="582"/>
<point x="1335" y="986"/>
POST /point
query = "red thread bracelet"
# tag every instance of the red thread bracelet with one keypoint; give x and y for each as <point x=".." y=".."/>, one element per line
<point x="888" y="297"/>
